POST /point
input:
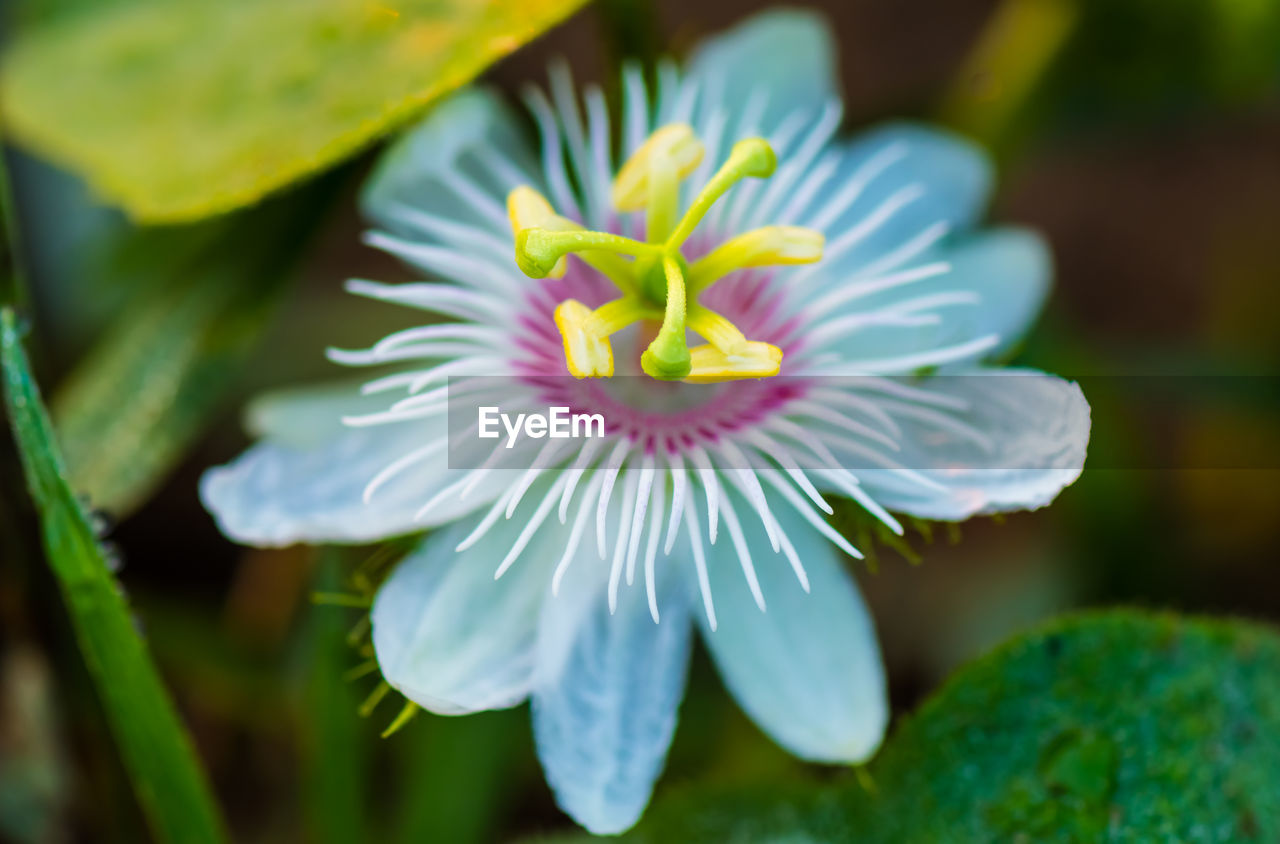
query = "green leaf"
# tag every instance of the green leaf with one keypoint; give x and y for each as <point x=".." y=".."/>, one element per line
<point x="1122" y="725"/>
<point x="206" y="292"/>
<point x="182" y="110"/>
<point x="1161" y="58"/>
<point x="157" y="753"/>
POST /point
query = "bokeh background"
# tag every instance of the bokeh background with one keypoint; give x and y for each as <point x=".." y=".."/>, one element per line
<point x="1142" y="137"/>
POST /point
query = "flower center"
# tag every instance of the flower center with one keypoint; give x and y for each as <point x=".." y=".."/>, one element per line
<point x="657" y="283"/>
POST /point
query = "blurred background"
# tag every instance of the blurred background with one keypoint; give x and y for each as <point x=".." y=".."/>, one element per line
<point x="1142" y="137"/>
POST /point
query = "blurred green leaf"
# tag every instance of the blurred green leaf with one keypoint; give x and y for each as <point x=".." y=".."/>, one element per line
<point x="1122" y="725"/>
<point x="167" y="780"/>
<point x="1073" y="64"/>
<point x="182" y="110"/>
<point x="1136" y="59"/>
<point x="27" y="12"/>
<point x="235" y="680"/>
<point x="127" y="413"/>
<point x="1018" y="43"/>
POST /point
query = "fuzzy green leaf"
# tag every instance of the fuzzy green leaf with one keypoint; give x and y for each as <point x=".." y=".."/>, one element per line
<point x="182" y="110"/>
<point x="205" y="293"/>
<point x="157" y="753"/>
<point x="1118" y="726"/>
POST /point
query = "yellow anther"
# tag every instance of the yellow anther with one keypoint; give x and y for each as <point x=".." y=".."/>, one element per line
<point x="529" y="209"/>
<point x="587" y="351"/>
<point x="728" y="354"/>
<point x="768" y="246"/>
<point x="674" y="146"/>
<point x="751" y="360"/>
<point x="526" y="208"/>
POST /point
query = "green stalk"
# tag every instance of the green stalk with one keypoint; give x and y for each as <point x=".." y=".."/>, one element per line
<point x="999" y="77"/>
<point x="335" y="743"/>
<point x="168" y="782"/>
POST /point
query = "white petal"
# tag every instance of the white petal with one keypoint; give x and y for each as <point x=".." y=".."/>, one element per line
<point x="607" y="690"/>
<point x="1007" y="272"/>
<point x="448" y="635"/>
<point x="279" y="493"/>
<point x="895" y="186"/>
<point x="1011" y="271"/>
<point x="423" y="169"/>
<point x="308" y="416"/>
<point x="807" y="671"/>
<point x="788" y="55"/>
<point x="1034" y="430"/>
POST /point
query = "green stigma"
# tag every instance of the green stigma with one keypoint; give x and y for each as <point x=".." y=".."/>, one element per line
<point x="655" y="279"/>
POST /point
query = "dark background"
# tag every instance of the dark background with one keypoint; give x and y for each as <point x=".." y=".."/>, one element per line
<point x="1148" y="154"/>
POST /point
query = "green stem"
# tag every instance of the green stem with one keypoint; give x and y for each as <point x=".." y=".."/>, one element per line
<point x="169" y="783"/>
<point x="13" y="291"/>
<point x="667" y="357"/>
<point x="334" y="741"/>
<point x="751" y="157"/>
<point x="664" y="197"/>
<point x="538" y="250"/>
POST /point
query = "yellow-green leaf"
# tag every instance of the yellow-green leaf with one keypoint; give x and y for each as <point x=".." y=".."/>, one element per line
<point x="182" y="110"/>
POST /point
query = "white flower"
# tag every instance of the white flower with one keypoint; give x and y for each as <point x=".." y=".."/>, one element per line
<point x="597" y="539"/>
